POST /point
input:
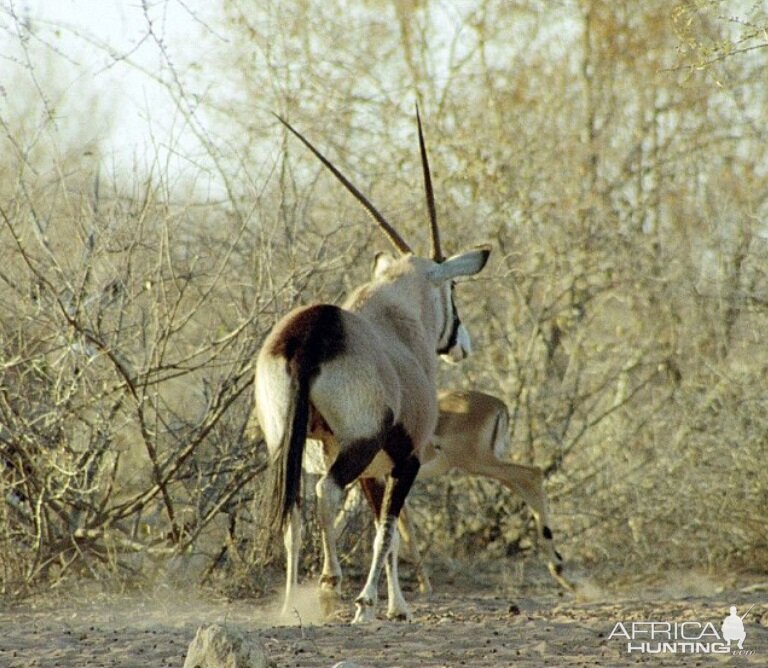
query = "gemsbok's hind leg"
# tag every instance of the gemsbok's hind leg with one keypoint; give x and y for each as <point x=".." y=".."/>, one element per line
<point x="397" y="487"/>
<point x="292" y="541"/>
<point x="352" y="460"/>
<point x="328" y="498"/>
<point x="397" y="608"/>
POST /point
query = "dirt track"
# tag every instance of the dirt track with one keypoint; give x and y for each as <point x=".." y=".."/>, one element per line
<point x="479" y="622"/>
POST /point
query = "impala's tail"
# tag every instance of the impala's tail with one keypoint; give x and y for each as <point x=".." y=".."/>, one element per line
<point x="290" y="360"/>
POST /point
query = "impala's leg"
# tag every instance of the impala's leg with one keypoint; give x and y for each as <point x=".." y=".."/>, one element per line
<point x="292" y="541"/>
<point x="408" y="539"/>
<point x="397" y="608"/>
<point x="528" y="482"/>
<point x="352" y="460"/>
<point x="406" y="466"/>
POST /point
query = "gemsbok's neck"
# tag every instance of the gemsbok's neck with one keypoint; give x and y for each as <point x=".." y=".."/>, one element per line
<point x="404" y="322"/>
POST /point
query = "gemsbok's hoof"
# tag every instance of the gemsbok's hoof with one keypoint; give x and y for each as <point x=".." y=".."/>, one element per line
<point x="329" y="602"/>
<point x="331" y="583"/>
<point x="365" y="612"/>
<point x="328" y="607"/>
<point x="400" y="616"/>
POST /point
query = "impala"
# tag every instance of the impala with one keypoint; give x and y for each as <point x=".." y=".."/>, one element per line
<point x="472" y="435"/>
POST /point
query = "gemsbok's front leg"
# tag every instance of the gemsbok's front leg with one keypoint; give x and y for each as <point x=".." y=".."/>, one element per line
<point x="352" y="460"/>
<point x="397" y="608"/>
<point x="397" y="487"/>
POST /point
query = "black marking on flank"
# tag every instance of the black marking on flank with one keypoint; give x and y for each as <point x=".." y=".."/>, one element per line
<point x="355" y="456"/>
<point x="558" y="555"/>
<point x="398" y="446"/>
<point x="310" y="337"/>
<point x="547" y="533"/>
<point x="354" y="459"/>
<point x="387" y="500"/>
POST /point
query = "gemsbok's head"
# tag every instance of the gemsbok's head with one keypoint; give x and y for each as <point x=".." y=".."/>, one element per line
<point x="454" y="343"/>
<point x="362" y="377"/>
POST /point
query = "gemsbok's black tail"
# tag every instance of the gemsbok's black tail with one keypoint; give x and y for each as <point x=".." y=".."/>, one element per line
<point x="288" y="457"/>
<point x="313" y="336"/>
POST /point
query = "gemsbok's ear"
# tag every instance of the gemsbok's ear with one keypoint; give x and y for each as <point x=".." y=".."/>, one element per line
<point x="464" y="264"/>
<point x="381" y="262"/>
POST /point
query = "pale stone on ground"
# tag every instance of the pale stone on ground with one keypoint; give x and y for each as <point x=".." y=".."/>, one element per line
<point x="216" y="647"/>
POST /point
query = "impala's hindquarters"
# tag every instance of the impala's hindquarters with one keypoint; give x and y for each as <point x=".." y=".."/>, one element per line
<point x="472" y="435"/>
<point x="289" y="360"/>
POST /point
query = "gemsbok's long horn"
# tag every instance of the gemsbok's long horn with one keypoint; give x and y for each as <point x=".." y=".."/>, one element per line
<point x="437" y="253"/>
<point x="398" y="242"/>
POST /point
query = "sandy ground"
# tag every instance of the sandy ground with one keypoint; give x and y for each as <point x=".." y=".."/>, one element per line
<point x="480" y="620"/>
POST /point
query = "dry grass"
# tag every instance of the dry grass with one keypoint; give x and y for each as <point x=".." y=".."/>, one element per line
<point x="623" y="317"/>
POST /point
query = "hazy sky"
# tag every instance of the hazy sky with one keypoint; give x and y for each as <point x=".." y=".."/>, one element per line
<point x="114" y="49"/>
<point x="109" y="47"/>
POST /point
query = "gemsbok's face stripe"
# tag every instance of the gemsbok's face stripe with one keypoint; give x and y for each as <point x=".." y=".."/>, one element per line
<point x="451" y="324"/>
<point x="454" y="343"/>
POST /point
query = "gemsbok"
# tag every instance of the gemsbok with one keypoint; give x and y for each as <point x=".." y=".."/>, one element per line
<point x="361" y="378"/>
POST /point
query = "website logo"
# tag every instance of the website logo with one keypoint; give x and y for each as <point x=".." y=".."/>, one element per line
<point x="689" y="637"/>
<point x="733" y="628"/>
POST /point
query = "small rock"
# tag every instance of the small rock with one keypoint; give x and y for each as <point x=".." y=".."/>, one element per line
<point x="216" y="647"/>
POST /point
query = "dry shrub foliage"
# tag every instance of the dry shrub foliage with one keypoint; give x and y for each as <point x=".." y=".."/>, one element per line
<point x="622" y="318"/>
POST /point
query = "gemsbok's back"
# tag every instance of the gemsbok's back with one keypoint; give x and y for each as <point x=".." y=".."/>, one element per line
<point x="362" y="378"/>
